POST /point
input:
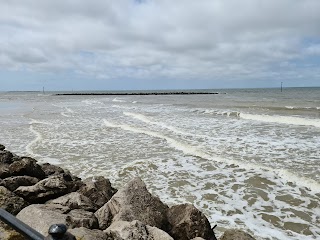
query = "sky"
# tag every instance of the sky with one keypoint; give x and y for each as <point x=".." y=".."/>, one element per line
<point x="158" y="44"/>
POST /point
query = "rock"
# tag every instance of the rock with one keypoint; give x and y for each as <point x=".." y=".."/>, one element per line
<point x="49" y="188"/>
<point x="42" y="216"/>
<point x="74" y="200"/>
<point x="26" y="166"/>
<point x="12" y="183"/>
<point x="188" y="222"/>
<point x="122" y="230"/>
<point x="81" y="218"/>
<point x="49" y="169"/>
<point x="4" y="171"/>
<point x="235" y="234"/>
<point x="98" y="189"/>
<point x="88" y="234"/>
<point x="11" y="202"/>
<point x="197" y="238"/>
<point x="5" y="157"/>
<point x="133" y="202"/>
<point x="2" y="147"/>
<point x="8" y="233"/>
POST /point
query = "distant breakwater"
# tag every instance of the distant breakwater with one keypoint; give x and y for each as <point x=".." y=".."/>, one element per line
<point x="139" y="93"/>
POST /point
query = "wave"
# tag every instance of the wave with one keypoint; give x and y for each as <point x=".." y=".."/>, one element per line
<point x="38" y="138"/>
<point x="118" y="100"/>
<point x="218" y="112"/>
<point x="91" y="102"/>
<point x="145" y="119"/>
<point x="299" y="108"/>
<point x="281" y="119"/>
<point x="197" y="152"/>
<point x="185" y="148"/>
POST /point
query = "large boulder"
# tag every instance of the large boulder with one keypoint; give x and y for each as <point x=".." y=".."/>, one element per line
<point x="98" y="189"/>
<point x="42" y="216"/>
<point x="88" y="234"/>
<point x="26" y="166"/>
<point x="187" y="222"/>
<point x="5" y="157"/>
<point x="74" y="200"/>
<point x="133" y="202"/>
<point x="4" y="170"/>
<point x="81" y="218"/>
<point x="11" y="202"/>
<point x="235" y="234"/>
<point x="49" y="188"/>
<point x="12" y="183"/>
<point x="50" y="169"/>
<point x="122" y="230"/>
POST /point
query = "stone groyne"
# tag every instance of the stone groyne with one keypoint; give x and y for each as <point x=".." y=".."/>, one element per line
<point x="136" y="93"/>
<point x="43" y="194"/>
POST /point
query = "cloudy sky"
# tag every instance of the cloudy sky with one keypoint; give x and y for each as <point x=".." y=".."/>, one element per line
<point x="158" y="44"/>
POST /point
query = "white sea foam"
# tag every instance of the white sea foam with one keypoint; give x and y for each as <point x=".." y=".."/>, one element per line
<point x="91" y="102"/>
<point x="118" y="100"/>
<point x="228" y="113"/>
<point x="290" y="107"/>
<point x="64" y="114"/>
<point x="69" y="110"/>
<point x="185" y="148"/>
<point x="145" y="119"/>
<point x="282" y="119"/>
<point x="198" y="152"/>
<point x="38" y="138"/>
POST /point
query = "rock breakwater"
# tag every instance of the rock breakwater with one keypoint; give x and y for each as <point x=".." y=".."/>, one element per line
<point x="43" y="194"/>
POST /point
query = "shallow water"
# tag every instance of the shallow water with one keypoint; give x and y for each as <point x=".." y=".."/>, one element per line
<point x="249" y="158"/>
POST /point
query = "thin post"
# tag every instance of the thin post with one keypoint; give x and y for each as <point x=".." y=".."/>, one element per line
<point x="281" y="86"/>
<point x="19" y="226"/>
<point x="43" y="90"/>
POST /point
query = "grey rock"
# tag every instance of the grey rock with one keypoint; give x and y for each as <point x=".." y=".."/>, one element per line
<point x="49" y="188"/>
<point x="235" y="234"/>
<point x="188" y="222"/>
<point x="26" y="166"/>
<point x="12" y="183"/>
<point x="11" y="202"/>
<point x="133" y="202"/>
<point x="81" y="218"/>
<point x="98" y="189"/>
<point x="88" y="234"/>
<point x="74" y="200"/>
<point x="42" y="216"/>
<point x="122" y="230"/>
<point x="4" y="171"/>
<point x="49" y="169"/>
<point x="5" y="157"/>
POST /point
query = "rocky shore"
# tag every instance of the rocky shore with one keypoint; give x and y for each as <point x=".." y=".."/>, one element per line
<point x="43" y="194"/>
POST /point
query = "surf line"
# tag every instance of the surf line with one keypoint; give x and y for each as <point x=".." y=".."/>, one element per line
<point x="194" y="151"/>
<point x="38" y="138"/>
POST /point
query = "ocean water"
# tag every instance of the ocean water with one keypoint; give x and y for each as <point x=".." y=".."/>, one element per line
<point x="248" y="158"/>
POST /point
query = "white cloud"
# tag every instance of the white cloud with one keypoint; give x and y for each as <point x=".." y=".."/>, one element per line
<point x="182" y="39"/>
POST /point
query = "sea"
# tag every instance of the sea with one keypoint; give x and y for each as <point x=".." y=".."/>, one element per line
<point x="247" y="158"/>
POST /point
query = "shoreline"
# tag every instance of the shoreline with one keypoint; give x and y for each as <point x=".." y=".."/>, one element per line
<point x="41" y="195"/>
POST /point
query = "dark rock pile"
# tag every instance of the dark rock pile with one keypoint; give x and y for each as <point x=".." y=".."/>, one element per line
<point x="43" y="194"/>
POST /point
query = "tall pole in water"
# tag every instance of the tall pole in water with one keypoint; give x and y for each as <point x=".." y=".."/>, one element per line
<point x="281" y="86"/>
<point x="43" y="90"/>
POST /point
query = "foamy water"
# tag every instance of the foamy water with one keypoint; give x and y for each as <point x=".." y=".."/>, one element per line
<point x="248" y="159"/>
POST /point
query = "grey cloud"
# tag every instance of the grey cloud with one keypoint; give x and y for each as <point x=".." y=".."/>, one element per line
<point x="164" y="38"/>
